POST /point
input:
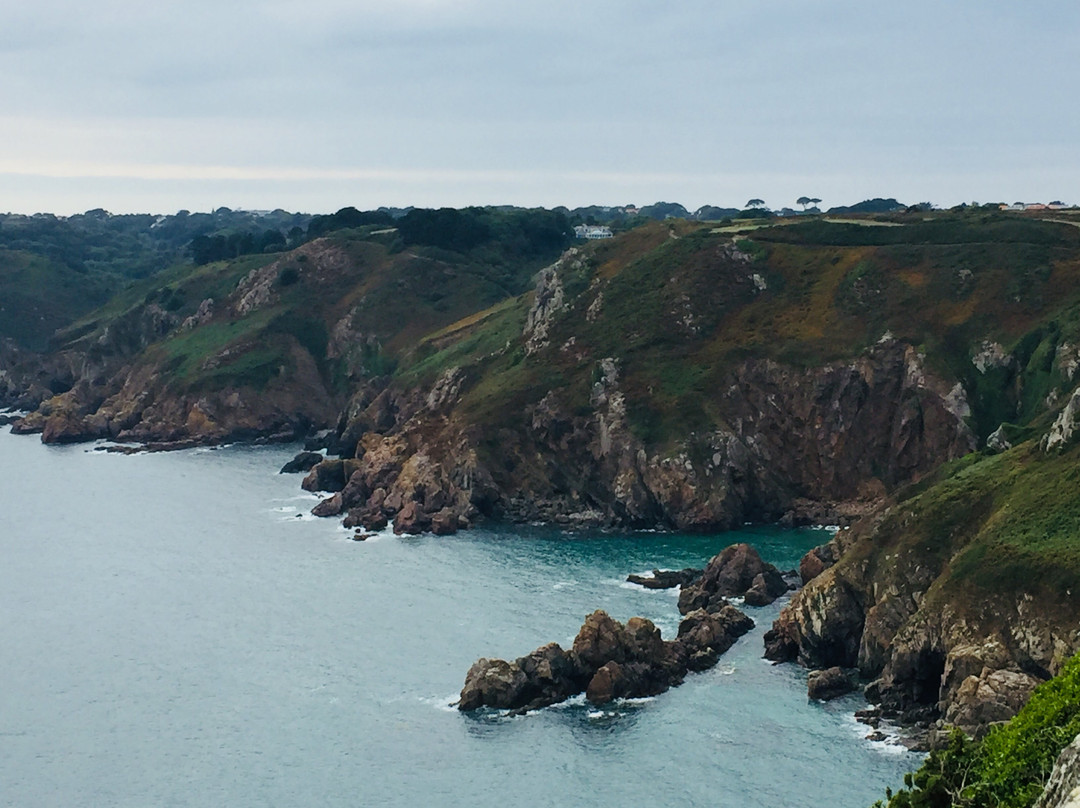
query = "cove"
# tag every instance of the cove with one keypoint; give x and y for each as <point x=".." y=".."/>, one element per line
<point x="178" y="631"/>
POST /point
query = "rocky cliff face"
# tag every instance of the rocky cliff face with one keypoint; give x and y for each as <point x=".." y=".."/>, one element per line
<point x="1063" y="788"/>
<point x="942" y="643"/>
<point x="784" y="438"/>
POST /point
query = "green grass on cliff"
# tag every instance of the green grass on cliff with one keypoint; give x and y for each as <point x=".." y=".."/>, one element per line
<point x="1010" y="766"/>
<point x="668" y="301"/>
<point x="1004" y="525"/>
<point x="39" y="295"/>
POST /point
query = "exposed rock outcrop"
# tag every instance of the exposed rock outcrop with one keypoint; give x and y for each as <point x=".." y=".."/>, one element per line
<point x="934" y="660"/>
<point x="829" y="684"/>
<point x="1063" y="788"/>
<point x="608" y="661"/>
<point x="737" y="571"/>
<point x="1061" y="433"/>
<point x="665" y="579"/>
<point x="303" y="462"/>
<point x="847" y="431"/>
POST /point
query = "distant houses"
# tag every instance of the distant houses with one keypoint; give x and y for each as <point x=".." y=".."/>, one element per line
<point x="1018" y="206"/>
<point x="592" y="231"/>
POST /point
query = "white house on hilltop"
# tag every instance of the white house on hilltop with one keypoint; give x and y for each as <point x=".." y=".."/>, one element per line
<point x="592" y="231"/>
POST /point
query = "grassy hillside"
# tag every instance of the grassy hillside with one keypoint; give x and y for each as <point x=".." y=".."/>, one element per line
<point x="1009" y="767"/>
<point x="679" y="304"/>
<point x="382" y="291"/>
<point x="39" y="295"/>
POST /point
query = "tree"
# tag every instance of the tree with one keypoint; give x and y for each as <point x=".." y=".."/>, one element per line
<point x="756" y="203"/>
<point x="803" y="201"/>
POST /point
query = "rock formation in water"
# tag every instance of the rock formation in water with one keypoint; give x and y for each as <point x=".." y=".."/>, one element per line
<point x="608" y="661"/>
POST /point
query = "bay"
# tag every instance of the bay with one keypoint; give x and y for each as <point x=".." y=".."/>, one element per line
<point x="178" y="631"/>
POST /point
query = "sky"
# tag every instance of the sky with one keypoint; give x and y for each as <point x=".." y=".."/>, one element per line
<point x="312" y="106"/>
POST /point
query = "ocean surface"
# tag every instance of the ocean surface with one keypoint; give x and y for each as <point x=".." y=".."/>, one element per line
<point x="177" y="631"/>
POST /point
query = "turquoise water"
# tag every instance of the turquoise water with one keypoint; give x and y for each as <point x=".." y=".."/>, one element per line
<point x="174" y="635"/>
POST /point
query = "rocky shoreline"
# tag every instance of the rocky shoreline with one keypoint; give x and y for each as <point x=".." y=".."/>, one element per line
<point x="926" y="669"/>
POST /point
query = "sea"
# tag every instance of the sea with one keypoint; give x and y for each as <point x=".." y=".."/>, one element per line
<point x="176" y="629"/>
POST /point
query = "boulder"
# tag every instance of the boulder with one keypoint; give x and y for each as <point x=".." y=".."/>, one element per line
<point x="990" y="697"/>
<point x="444" y="522"/>
<point x="331" y="506"/>
<point x="304" y="461"/>
<point x="828" y="684"/>
<point x="326" y="475"/>
<point x="492" y="683"/>
<point x="411" y="519"/>
<point x="732" y="573"/>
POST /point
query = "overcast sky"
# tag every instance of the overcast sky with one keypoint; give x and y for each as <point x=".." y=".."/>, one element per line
<point x="314" y="105"/>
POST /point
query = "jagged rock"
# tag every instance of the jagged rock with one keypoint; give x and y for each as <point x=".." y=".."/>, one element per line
<point x="816" y="562"/>
<point x="828" y="684"/>
<point x="411" y="519"/>
<point x="600" y="640"/>
<point x="552" y="674"/>
<point x="733" y="573"/>
<point x="1061" y="433"/>
<point x="823" y="626"/>
<point x="368" y="518"/>
<point x="607" y="683"/>
<point x="444" y="522"/>
<point x="704" y="636"/>
<point x="781" y="641"/>
<point x="547" y="302"/>
<point x="990" y="697"/>
<point x="765" y="589"/>
<point x="326" y="475"/>
<point x="304" y="461"/>
<point x="1063" y="788"/>
<point x="68" y="427"/>
<point x="323" y="439"/>
<point x="997" y="441"/>
<point x="665" y="579"/>
<point x="492" y="683"/>
<point x="608" y="660"/>
<point x="331" y="506"/>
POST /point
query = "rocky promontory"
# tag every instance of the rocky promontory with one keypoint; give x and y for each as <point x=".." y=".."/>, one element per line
<point x="950" y="622"/>
<point x="608" y="660"/>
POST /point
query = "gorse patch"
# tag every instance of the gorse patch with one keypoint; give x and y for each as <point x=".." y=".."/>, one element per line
<point x="1010" y="766"/>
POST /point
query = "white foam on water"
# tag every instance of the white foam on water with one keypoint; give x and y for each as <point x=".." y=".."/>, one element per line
<point x="890" y="745"/>
<point x="445" y="704"/>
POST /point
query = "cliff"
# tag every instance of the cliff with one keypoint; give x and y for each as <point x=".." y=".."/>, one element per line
<point x="911" y="375"/>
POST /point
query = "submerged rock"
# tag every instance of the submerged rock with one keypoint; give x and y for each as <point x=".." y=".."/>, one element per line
<point x="665" y="579"/>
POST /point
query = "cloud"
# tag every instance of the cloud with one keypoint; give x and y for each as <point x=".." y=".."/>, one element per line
<point x="619" y="88"/>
